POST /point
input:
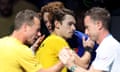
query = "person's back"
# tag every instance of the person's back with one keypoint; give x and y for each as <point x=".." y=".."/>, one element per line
<point x="6" y="59"/>
<point x="116" y="63"/>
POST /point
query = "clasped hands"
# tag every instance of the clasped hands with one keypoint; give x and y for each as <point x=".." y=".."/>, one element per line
<point x="67" y="55"/>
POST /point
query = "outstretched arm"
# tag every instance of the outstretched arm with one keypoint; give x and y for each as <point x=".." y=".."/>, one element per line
<point x="69" y="60"/>
<point x="56" y="68"/>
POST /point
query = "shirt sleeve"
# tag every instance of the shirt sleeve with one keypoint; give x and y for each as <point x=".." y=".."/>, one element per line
<point x="61" y="44"/>
<point x="27" y="60"/>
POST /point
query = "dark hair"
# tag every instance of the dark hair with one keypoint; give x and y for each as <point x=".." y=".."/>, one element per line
<point x="25" y="16"/>
<point x="97" y="13"/>
<point x="43" y="29"/>
<point x="59" y="15"/>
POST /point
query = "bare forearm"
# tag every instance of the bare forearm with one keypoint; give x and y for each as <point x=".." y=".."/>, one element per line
<point x="75" y="68"/>
<point x="56" y="68"/>
<point x="84" y="60"/>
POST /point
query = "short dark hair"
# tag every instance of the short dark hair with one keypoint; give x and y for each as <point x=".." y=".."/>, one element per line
<point x="59" y="15"/>
<point x="98" y="13"/>
<point x="25" y="16"/>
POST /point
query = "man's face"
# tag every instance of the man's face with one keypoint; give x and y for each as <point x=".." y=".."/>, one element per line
<point x="33" y="31"/>
<point x="46" y="16"/>
<point x="67" y="26"/>
<point x="91" y="28"/>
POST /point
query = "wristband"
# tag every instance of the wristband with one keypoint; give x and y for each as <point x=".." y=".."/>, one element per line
<point x="72" y="68"/>
<point x="90" y="50"/>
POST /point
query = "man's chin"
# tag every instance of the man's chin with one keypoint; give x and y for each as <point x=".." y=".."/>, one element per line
<point x="29" y="43"/>
<point x="68" y="37"/>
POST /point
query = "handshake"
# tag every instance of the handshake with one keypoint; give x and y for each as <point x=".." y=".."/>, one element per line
<point x="67" y="56"/>
<point x="71" y="60"/>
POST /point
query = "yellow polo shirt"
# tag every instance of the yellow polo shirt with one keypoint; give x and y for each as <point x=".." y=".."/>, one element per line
<point x="47" y="53"/>
<point x="16" y="57"/>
